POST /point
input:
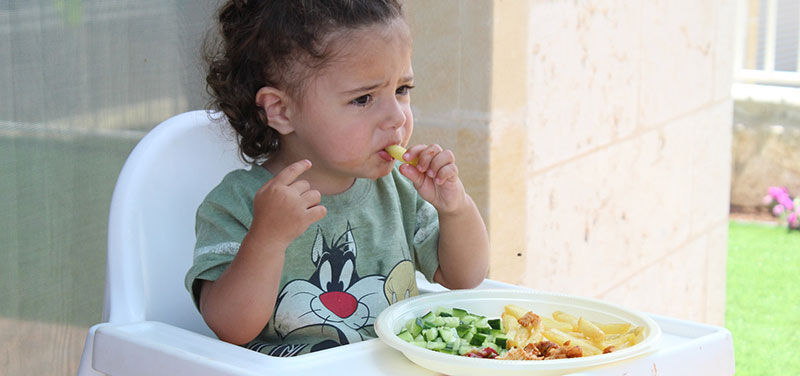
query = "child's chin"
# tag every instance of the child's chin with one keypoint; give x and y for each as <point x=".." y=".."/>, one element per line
<point x="385" y="170"/>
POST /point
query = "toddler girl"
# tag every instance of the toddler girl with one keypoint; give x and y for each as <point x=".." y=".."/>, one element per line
<point x="304" y="249"/>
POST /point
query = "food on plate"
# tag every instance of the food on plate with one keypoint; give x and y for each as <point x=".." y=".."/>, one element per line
<point x="572" y="336"/>
<point x="397" y="151"/>
<point x="456" y="331"/>
<point x="518" y="334"/>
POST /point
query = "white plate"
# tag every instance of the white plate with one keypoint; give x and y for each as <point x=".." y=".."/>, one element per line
<point x="490" y="303"/>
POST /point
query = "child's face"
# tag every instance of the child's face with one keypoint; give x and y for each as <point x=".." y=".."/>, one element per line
<point x="358" y="105"/>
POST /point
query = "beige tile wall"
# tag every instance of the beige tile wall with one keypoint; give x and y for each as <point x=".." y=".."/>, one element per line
<point x="594" y="135"/>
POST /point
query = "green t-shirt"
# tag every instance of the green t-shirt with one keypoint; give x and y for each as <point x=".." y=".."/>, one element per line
<point x="338" y="275"/>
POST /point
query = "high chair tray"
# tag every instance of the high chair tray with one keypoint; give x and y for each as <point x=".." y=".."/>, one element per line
<point x="155" y="348"/>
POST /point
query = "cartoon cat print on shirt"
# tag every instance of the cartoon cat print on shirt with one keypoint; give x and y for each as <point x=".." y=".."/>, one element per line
<point x="335" y="296"/>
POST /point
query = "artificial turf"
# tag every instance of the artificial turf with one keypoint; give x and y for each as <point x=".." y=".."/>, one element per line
<point x="763" y="298"/>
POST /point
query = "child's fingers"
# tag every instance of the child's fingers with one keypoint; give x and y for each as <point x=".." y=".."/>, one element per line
<point x="441" y="159"/>
<point x="300" y="186"/>
<point x="291" y="172"/>
<point x="316" y="213"/>
<point x="311" y="198"/>
<point x="414" y="150"/>
<point x="447" y="172"/>
<point x="411" y="172"/>
<point x="426" y="156"/>
<point x="433" y="162"/>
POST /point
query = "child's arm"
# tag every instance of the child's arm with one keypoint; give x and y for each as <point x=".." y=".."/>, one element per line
<point x="463" y="240"/>
<point x="238" y="305"/>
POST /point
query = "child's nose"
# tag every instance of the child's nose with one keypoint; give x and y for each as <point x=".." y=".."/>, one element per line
<point x="395" y="116"/>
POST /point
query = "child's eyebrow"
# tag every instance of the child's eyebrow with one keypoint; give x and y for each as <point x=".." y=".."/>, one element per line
<point x="363" y="89"/>
<point x="403" y="80"/>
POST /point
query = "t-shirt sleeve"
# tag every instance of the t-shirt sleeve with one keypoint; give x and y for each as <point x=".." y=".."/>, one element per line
<point x="426" y="239"/>
<point x="219" y="229"/>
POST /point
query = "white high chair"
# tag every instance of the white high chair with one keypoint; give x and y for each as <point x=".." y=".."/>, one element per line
<point x="150" y="243"/>
<point x="150" y="325"/>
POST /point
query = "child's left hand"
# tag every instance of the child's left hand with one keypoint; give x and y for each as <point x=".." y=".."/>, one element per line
<point x="435" y="177"/>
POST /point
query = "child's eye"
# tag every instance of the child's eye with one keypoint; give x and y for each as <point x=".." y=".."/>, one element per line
<point x="403" y="90"/>
<point x="362" y="100"/>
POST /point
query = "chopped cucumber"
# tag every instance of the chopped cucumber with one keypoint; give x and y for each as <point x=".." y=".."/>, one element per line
<point x="463" y="330"/>
<point x="415" y="329"/>
<point x="468" y="337"/>
<point x="458" y="312"/>
<point x="454" y="331"/>
<point x="405" y="335"/>
<point x="444" y="312"/>
<point x="469" y="319"/>
<point x="492" y="345"/>
<point x="430" y="334"/>
<point x="448" y="334"/>
<point x="436" y="345"/>
<point x="451" y="322"/>
<point x="453" y="346"/>
<point x="437" y="321"/>
<point x="477" y="339"/>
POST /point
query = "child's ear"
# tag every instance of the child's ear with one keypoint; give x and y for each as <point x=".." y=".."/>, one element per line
<point x="276" y="106"/>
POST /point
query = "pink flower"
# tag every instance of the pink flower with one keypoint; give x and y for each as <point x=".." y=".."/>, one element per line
<point x="767" y="200"/>
<point x="793" y="221"/>
<point x="777" y="210"/>
<point x="778" y="192"/>
<point x="786" y="202"/>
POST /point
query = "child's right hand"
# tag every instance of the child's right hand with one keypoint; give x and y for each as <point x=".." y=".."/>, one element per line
<point x="285" y="207"/>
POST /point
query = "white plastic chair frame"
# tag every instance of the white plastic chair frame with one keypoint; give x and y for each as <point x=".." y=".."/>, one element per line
<point x="150" y="325"/>
<point x="151" y="230"/>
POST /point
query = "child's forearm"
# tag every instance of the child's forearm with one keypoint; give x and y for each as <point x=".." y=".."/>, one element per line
<point x="238" y="305"/>
<point x="463" y="248"/>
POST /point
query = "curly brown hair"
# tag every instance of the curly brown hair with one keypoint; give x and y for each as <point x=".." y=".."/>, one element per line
<point x="274" y="43"/>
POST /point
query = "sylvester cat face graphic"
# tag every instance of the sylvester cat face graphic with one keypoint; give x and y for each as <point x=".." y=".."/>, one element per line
<point x="334" y="296"/>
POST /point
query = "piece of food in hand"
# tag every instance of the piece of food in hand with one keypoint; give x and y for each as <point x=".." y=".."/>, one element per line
<point x="397" y="151"/>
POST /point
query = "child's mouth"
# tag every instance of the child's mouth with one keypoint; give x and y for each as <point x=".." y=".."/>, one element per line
<point x="385" y="156"/>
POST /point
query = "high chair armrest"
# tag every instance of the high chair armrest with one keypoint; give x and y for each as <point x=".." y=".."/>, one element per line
<point x="156" y="348"/>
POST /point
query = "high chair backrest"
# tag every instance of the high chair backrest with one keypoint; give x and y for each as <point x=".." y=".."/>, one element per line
<point x="151" y="222"/>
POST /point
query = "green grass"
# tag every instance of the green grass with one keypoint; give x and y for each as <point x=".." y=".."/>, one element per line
<point x="763" y="298"/>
